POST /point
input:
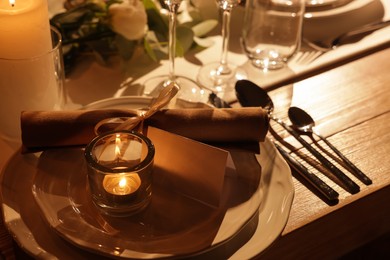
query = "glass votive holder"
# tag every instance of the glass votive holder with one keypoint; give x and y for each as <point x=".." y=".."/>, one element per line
<point x="120" y="167"/>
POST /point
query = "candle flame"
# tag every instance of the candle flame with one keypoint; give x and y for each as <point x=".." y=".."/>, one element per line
<point x="122" y="182"/>
<point x="12" y="3"/>
<point x="117" y="143"/>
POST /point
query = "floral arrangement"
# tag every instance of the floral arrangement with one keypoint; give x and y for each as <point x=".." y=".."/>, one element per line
<point x="107" y="27"/>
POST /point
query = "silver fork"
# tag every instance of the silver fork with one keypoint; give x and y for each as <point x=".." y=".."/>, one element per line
<point x="319" y="48"/>
<point x="306" y="57"/>
<point x="349" y="37"/>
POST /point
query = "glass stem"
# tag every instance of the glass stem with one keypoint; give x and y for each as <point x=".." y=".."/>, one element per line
<point x="173" y="8"/>
<point x="223" y="67"/>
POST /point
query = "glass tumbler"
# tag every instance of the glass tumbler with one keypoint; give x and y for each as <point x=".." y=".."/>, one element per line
<point x="272" y="31"/>
<point x="120" y="167"/>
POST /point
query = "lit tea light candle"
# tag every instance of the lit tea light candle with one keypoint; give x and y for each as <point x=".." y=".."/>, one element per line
<point x="120" y="166"/>
<point x="122" y="185"/>
<point x="24" y="29"/>
<point x="128" y="151"/>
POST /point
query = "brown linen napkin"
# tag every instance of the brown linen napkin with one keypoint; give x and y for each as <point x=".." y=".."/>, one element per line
<point x="49" y="129"/>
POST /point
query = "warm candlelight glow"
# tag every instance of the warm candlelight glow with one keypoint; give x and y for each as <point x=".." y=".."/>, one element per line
<point x="120" y="168"/>
<point x="122" y="182"/>
<point x="24" y="29"/>
<point x="122" y="185"/>
<point x="117" y="143"/>
<point x="30" y="63"/>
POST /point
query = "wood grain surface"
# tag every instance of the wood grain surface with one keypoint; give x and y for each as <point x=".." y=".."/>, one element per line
<point x="351" y="107"/>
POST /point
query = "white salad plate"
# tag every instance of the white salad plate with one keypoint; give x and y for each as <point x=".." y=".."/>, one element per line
<point x="325" y="4"/>
<point x="348" y="7"/>
<point x="171" y="225"/>
<point x="59" y="203"/>
<point x="325" y="25"/>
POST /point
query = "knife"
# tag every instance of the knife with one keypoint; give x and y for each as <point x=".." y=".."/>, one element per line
<point x="319" y="184"/>
<point x="350" y="185"/>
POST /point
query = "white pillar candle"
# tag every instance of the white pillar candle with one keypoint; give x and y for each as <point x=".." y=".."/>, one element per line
<point x="30" y="69"/>
<point x="24" y="29"/>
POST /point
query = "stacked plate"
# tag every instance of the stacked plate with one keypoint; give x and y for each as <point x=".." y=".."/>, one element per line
<point x="45" y="198"/>
<point x="327" y="19"/>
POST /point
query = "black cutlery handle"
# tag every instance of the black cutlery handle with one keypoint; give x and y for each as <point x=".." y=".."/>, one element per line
<point x="217" y="101"/>
<point x="358" y="173"/>
<point x="320" y="185"/>
<point x="350" y="185"/>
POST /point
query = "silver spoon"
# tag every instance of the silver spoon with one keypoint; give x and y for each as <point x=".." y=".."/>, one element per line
<point x="348" y="37"/>
<point x="265" y="101"/>
<point x="251" y="95"/>
<point x="305" y="123"/>
<point x="248" y="95"/>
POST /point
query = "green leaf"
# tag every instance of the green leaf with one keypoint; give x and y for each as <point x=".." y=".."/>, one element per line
<point x="149" y="51"/>
<point x="74" y="17"/>
<point x="87" y="26"/>
<point x="156" y="50"/>
<point x="156" y="21"/>
<point x="149" y="4"/>
<point x="203" y="28"/>
<point x="155" y="44"/>
<point x="195" y="15"/>
<point x="185" y="39"/>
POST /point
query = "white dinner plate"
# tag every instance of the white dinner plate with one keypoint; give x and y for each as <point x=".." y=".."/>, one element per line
<point x="22" y="214"/>
<point x="171" y="225"/>
<point x="326" y="25"/>
<point x="346" y="8"/>
<point x="313" y="5"/>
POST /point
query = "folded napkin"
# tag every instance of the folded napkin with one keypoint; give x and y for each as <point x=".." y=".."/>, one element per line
<point x="49" y="129"/>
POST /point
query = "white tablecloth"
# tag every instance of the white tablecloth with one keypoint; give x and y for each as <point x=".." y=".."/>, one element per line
<point x="91" y="82"/>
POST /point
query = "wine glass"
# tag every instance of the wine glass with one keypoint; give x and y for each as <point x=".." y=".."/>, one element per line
<point x="218" y="76"/>
<point x="188" y="89"/>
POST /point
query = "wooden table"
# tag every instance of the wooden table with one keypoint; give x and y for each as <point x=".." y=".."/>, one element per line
<point x="351" y="105"/>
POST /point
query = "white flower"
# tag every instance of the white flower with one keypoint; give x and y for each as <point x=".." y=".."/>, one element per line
<point x="129" y="19"/>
